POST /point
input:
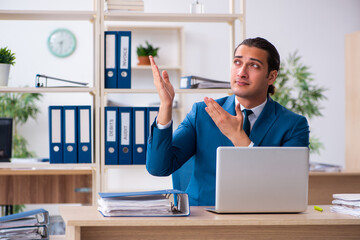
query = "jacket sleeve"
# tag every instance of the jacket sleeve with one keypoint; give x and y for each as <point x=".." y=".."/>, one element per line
<point x="167" y="151"/>
<point x="299" y="134"/>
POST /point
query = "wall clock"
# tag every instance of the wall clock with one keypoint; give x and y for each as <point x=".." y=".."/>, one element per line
<point x="62" y="42"/>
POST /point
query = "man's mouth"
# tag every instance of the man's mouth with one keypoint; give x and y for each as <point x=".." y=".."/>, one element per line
<point x="241" y="83"/>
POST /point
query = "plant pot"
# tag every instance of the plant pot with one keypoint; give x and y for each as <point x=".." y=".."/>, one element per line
<point x="143" y="60"/>
<point x="4" y="74"/>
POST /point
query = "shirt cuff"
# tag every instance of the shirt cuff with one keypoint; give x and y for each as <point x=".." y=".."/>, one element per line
<point x="160" y="126"/>
<point x="251" y="144"/>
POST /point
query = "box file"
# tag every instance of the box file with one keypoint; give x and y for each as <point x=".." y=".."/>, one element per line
<point x="84" y="134"/>
<point x="111" y="61"/>
<point x="111" y="136"/>
<point x="139" y="135"/>
<point x="124" y="59"/>
<point x="55" y="134"/>
<point x="125" y="135"/>
<point x="70" y="134"/>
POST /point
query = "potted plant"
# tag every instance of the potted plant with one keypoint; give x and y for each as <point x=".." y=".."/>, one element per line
<point x="297" y="92"/>
<point x="7" y="58"/>
<point x="144" y="53"/>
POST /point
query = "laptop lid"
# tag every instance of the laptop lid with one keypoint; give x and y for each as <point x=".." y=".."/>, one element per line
<point x="262" y="179"/>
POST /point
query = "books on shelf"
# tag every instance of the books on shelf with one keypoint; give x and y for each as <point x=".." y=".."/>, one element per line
<point x="346" y="204"/>
<point x="187" y="82"/>
<point x="125" y="5"/>
<point x="150" y="203"/>
<point x="26" y="225"/>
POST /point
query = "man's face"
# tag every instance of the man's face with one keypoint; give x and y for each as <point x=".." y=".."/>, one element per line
<point x="249" y="75"/>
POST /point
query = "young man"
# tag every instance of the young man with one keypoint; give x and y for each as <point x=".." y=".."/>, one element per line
<point x="247" y="118"/>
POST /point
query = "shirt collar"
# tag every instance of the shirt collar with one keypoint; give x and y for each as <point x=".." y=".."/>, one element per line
<point x="256" y="110"/>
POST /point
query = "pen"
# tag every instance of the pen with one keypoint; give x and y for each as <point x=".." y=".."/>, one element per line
<point x="318" y="208"/>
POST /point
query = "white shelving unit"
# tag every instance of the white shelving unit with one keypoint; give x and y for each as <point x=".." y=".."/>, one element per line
<point x="130" y="18"/>
<point x="45" y="15"/>
<point x="98" y="18"/>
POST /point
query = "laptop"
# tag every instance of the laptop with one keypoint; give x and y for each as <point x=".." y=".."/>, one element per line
<point x="261" y="179"/>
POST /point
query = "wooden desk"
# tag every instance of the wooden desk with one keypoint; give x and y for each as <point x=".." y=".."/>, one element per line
<point x="323" y="185"/>
<point x="88" y="223"/>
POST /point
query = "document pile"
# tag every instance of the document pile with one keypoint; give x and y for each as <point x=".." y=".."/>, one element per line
<point x="346" y="204"/>
<point x="323" y="167"/>
<point x="125" y="5"/>
<point x="26" y="225"/>
<point x="149" y="203"/>
<point x="200" y="82"/>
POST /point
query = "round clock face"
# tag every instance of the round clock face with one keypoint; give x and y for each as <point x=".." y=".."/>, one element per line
<point x="62" y="43"/>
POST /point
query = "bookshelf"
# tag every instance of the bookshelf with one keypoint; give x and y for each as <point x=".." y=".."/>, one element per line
<point x="56" y="172"/>
<point x="100" y="20"/>
<point x="155" y="21"/>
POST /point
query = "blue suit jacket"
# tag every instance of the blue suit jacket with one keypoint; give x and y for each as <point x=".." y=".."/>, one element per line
<point x="198" y="137"/>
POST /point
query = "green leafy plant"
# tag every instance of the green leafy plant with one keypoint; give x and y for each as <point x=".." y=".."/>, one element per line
<point x="148" y="50"/>
<point x="19" y="107"/>
<point x="296" y="91"/>
<point x="6" y="56"/>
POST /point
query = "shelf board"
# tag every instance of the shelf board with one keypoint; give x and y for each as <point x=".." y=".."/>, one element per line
<point x="46" y="15"/>
<point x="137" y="67"/>
<point x="46" y="90"/>
<point x="182" y="91"/>
<point x="170" y="17"/>
<point x="34" y="166"/>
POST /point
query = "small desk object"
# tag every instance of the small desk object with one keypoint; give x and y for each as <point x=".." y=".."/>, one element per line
<point x="87" y="223"/>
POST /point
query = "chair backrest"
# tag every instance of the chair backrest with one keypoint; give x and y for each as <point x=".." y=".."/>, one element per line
<point x="181" y="177"/>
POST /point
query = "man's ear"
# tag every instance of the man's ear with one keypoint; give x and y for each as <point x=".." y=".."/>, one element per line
<point x="272" y="77"/>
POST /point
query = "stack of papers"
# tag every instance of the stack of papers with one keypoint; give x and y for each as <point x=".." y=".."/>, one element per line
<point x="125" y="5"/>
<point x="324" y="167"/>
<point x="26" y="225"/>
<point x="346" y="204"/>
<point x="150" y="203"/>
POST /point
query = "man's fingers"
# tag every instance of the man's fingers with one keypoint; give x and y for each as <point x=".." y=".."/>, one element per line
<point x="154" y="68"/>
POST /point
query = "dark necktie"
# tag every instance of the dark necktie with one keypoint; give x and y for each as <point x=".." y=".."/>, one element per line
<point x="246" y="125"/>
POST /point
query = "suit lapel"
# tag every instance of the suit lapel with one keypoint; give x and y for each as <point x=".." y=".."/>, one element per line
<point x="264" y="122"/>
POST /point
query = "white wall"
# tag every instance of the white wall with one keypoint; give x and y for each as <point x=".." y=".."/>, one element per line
<point x="315" y="28"/>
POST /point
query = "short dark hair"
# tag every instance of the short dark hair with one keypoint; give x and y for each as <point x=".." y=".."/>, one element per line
<point x="273" y="58"/>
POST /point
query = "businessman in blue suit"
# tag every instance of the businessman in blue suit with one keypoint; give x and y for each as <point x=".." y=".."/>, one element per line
<point x="247" y="118"/>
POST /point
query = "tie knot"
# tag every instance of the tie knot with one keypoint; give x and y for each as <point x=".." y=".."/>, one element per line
<point x="247" y="112"/>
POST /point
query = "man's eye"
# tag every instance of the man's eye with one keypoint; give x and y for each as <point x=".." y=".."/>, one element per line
<point x="255" y="65"/>
<point x="236" y="62"/>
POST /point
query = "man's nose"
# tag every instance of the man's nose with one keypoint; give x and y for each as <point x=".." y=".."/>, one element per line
<point x="242" y="71"/>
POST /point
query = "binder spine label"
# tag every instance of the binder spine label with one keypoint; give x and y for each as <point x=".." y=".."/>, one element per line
<point x="125" y="129"/>
<point x="139" y="127"/>
<point x="111" y="126"/>
<point x="56" y="126"/>
<point x="110" y="51"/>
<point x="84" y="126"/>
<point x="70" y="126"/>
<point x="124" y="53"/>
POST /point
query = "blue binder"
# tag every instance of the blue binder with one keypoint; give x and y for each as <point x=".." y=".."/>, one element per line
<point x="40" y="217"/>
<point x="125" y="135"/>
<point x="70" y="134"/>
<point x="151" y="113"/>
<point x="139" y="135"/>
<point x="84" y="134"/>
<point x="111" y="60"/>
<point x="111" y="136"/>
<point x="55" y="134"/>
<point x="124" y="59"/>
